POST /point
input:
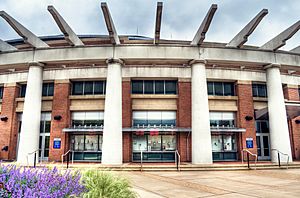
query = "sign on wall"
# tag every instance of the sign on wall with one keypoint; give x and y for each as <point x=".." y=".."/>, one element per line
<point x="249" y="142"/>
<point x="57" y="143"/>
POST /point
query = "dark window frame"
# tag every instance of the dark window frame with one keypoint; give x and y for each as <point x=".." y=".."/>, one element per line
<point x="137" y="84"/>
<point x="23" y="88"/>
<point x="257" y="87"/>
<point x="49" y="89"/>
<point x="1" y="92"/>
<point x="83" y="86"/>
<point x="211" y="88"/>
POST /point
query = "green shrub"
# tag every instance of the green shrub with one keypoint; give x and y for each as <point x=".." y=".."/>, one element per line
<point x="102" y="184"/>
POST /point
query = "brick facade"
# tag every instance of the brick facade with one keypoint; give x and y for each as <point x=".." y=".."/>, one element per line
<point x="9" y="128"/>
<point x="60" y="106"/>
<point x="291" y="93"/>
<point x="126" y="119"/>
<point x="295" y="137"/>
<point x="184" y="119"/>
<point x="245" y="108"/>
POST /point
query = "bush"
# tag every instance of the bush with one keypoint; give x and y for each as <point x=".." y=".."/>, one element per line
<point x="42" y="182"/>
<point x="101" y="184"/>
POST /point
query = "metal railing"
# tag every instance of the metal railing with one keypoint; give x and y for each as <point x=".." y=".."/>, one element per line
<point x="35" y="157"/>
<point x="177" y="160"/>
<point x="278" y="155"/>
<point x="68" y="157"/>
<point x="141" y="168"/>
<point x="248" y="158"/>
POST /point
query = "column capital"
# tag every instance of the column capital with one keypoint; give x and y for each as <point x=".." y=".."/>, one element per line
<point x="194" y="61"/>
<point x="272" y="65"/>
<point x="37" y="64"/>
<point x="114" y="60"/>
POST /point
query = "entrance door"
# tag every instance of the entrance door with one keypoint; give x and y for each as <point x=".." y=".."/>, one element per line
<point x="44" y="142"/>
<point x="263" y="146"/>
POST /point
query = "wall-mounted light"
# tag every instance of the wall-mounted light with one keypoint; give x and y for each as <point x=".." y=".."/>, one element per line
<point x="248" y="118"/>
<point x="57" y="117"/>
<point x="4" y="148"/>
<point x="297" y="121"/>
<point x="3" y="118"/>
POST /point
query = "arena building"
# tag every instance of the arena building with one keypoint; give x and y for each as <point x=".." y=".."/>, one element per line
<point x="110" y="98"/>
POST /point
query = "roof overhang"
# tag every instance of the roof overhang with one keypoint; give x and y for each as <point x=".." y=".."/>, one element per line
<point x="292" y="111"/>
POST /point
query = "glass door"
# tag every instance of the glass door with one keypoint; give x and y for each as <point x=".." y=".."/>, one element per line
<point x="44" y="142"/>
<point x="263" y="146"/>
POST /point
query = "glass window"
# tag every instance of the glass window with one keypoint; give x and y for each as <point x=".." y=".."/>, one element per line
<point x="48" y="89"/>
<point x="218" y="89"/>
<point x="228" y="89"/>
<point x="91" y="142"/>
<point x="159" y="87"/>
<point x="262" y="126"/>
<point x="171" y="87"/>
<point x="87" y="119"/>
<point x="88" y="88"/>
<point x="77" y="88"/>
<point x="259" y="90"/>
<point x="23" y="90"/>
<point x="169" y="142"/>
<point x="154" y="143"/>
<point x="99" y="87"/>
<point x="137" y="87"/>
<point x="79" y="143"/>
<point x="216" y="142"/>
<point x="1" y="92"/>
<point x="139" y="143"/>
<point x="148" y="87"/>
<point x="222" y="119"/>
<point x="154" y="118"/>
<point x="210" y="88"/>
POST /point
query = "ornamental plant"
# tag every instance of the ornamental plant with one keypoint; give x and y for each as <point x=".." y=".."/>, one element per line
<point x="40" y="182"/>
<point x="104" y="184"/>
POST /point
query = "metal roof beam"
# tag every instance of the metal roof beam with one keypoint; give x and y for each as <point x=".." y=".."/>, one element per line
<point x="114" y="38"/>
<point x="28" y="36"/>
<point x="200" y="35"/>
<point x="5" y="47"/>
<point x="69" y="34"/>
<point x="242" y="36"/>
<point x="280" y="40"/>
<point x="158" y="22"/>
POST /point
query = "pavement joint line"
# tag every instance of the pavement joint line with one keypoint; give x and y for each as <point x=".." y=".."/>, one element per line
<point x="142" y="188"/>
<point x="195" y="186"/>
<point x="250" y="183"/>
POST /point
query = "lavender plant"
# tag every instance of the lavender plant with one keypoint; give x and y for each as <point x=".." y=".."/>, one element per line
<point x="42" y="183"/>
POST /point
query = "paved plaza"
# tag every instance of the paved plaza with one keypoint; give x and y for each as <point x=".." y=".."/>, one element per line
<point x="253" y="183"/>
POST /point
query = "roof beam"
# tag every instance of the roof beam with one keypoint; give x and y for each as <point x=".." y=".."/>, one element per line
<point x="28" y="36"/>
<point x="114" y="38"/>
<point x="5" y="47"/>
<point x="158" y="22"/>
<point x="69" y="34"/>
<point x="280" y="40"/>
<point x="242" y="36"/>
<point x="296" y="49"/>
<point x="200" y="35"/>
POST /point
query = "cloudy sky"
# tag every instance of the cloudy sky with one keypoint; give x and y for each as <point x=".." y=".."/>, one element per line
<point x="181" y="18"/>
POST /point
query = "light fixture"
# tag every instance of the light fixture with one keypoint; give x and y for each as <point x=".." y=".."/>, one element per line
<point x="57" y="117"/>
<point x="297" y="121"/>
<point x="248" y="118"/>
<point x="4" y="118"/>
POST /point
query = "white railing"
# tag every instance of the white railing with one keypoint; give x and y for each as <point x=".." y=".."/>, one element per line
<point x="248" y="153"/>
<point x="281" y="153"/>
<point x="63" y="155"/>
<point x="177" y="160"/>
<point x="36" y="157"/>
<point x="141" y="168"/>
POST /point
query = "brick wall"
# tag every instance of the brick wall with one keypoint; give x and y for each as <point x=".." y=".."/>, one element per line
<point x="184" y="119"/>
<point x="291" y="93"/>
<point x="295" y="137"/>
<point x="60" y="106"/>
<point x="9" y="128"/>
<point x="126" y="119"/>
<point x="245" y="108"/>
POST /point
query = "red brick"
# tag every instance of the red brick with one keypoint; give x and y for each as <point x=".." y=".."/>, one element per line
<point x="246" y="108"/>
<point x="60" y="106"/>
<point x="9" y="128"/>
<point x="126" y="120"/>
<point x="291" y="93"/>
<point x="295" y="137"/>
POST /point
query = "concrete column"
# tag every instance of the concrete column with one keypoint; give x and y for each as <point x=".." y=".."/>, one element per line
<point x="279" y="132"/>
<point x="201" y="136"/>
<point x="112" y="133"/>
<point x="30" y="129"/>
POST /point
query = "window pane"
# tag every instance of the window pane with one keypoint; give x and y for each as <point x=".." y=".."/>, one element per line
<point x="169" y="142"/>
<point x="159" y="87"/>
<point x="50" y="89"/>
<point x="139" y="143"/>
<point x="23" y="91"/>
<point x="1" y="92"/>
<point x="137" y="87"/>
<point x="262" y="91"/>
<point x="91" y="142"/>
<point x="264" y="127"/>
<point x="216" y="141"/>
<point x="77" y="88"/>
<point x="254" y="90"/>
<point x="148" y="87"/>
<point x="154" y="143"/>
<point x="88" y="88"/>
<point x="218" y="89"/>
<point x="171" y="87"/>
<point x="45" y="89"/>
<point x="98" y="87"/>
<point x="78" y="142"/>
<point x="228" y="89"/>
<point x="210" y="88"/>
<point x="47" y="126"/>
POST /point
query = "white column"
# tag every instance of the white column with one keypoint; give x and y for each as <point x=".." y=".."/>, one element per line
<point x="201" y="136"/>
<point x="30" y="129"/>
<point x="112" y="133"/>
<point x="279" y="132"/>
